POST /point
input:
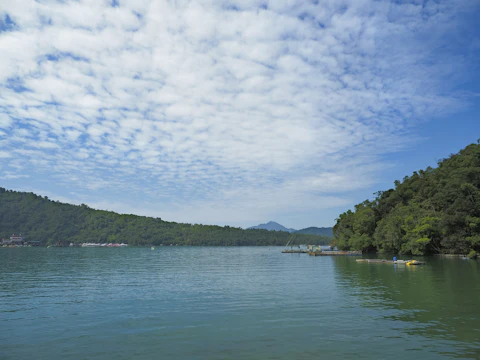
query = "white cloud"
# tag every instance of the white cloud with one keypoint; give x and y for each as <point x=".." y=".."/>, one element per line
<point x="11" y="176"/>
<point x="5" y="155"/>
<point x="217" y="113"/>
<point x="5" y="121"/>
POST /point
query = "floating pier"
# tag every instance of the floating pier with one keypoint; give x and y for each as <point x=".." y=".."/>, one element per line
<point x="399" y="262"/>
<point x="335" y="253"/>
<point x="323" y="253"/>
<point x="294" y="251"/>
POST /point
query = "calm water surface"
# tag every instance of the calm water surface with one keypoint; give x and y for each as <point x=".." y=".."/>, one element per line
<point x="232" y="303"/>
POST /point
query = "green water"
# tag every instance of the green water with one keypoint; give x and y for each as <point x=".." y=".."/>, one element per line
<point x="232" y="303"/>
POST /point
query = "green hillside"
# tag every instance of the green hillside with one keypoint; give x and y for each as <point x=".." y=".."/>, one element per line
<point x="436" y="210"/>
<point x="41" y="219"/>
<point x="323" y="231"/>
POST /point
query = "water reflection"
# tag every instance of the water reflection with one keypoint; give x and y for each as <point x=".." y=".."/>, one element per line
<point x="437" y="302"/>
<point x="242" y="303"/>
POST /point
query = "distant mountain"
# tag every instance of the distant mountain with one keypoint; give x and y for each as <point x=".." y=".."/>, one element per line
<point x="324" y="231"/>
<point x="272" y="225"/>
<point x="52" y="223"/>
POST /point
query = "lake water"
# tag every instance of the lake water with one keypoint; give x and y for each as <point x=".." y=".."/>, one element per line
<point x="232" y="303"/>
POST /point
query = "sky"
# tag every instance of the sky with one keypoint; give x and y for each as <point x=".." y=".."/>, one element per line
<point x="233" y="112"/>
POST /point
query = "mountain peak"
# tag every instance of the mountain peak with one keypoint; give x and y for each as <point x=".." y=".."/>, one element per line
<point x="272" y="225"/>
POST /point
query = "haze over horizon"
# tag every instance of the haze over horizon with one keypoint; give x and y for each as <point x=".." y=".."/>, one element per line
<point x="232" y="112"/>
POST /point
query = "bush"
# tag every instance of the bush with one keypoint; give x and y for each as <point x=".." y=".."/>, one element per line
<point x="472" y="254"/>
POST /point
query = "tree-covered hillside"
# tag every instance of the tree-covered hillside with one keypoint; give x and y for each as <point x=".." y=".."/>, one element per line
<point x="436" y="210"/>
<point x="41" y="219"/>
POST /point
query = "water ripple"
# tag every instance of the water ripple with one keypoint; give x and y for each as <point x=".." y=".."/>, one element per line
<point x="242" y="303"/>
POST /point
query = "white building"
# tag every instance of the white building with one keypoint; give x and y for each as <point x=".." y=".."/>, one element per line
<point x="16" y="239"/>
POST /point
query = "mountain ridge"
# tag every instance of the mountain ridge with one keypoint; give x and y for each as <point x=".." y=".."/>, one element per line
<point x="50" y="222"/>
<point x="322" y="231"/>
<point x="274" y="226"/>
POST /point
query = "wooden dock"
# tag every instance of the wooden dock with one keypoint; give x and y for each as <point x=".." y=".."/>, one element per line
<point x="294" y="251"/>
<point x="335" y="253"/>
<point x="398" y="262"/>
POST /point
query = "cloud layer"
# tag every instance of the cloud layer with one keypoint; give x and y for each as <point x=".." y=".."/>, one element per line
<point x="219" y="111"/>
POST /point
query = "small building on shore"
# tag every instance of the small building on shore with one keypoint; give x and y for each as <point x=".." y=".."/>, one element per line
<point x="33" y="243"/>
<point x="14" y="240"/>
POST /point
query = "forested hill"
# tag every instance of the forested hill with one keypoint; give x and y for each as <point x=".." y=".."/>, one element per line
<point x="41" y="219"/>
<point x="274" y="226"/>
<point x="436" y="210"/>
<point x="324" y="231"/>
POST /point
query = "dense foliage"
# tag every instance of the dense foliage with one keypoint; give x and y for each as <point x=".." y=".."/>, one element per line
<point x="41" y="219"/>
<point x="436" y="210"/>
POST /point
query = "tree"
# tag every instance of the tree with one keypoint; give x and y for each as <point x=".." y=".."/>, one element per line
<point x="433" y="210"/>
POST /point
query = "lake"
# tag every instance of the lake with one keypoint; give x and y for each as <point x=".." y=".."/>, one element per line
<point x="232" y="303"/>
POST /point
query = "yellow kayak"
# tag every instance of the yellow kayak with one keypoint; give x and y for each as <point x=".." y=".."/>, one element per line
<point x="413" y="262"/>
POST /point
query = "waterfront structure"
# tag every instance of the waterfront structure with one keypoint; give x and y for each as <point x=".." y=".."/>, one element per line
<point x="33" y="243"/>
<point x="14" y="240"/>
<point x="103" y="245"/>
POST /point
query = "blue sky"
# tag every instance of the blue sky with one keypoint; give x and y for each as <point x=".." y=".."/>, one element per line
<point x="232" y="112"/>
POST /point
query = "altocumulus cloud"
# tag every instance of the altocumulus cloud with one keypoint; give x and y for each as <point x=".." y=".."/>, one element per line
<point x="217" y="111"/>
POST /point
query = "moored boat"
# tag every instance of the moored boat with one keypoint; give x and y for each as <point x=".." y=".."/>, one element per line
<point x="90" y="245"/>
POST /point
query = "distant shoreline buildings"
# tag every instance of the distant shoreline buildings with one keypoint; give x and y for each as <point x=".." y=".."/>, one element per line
<point x="18" y="240"/>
